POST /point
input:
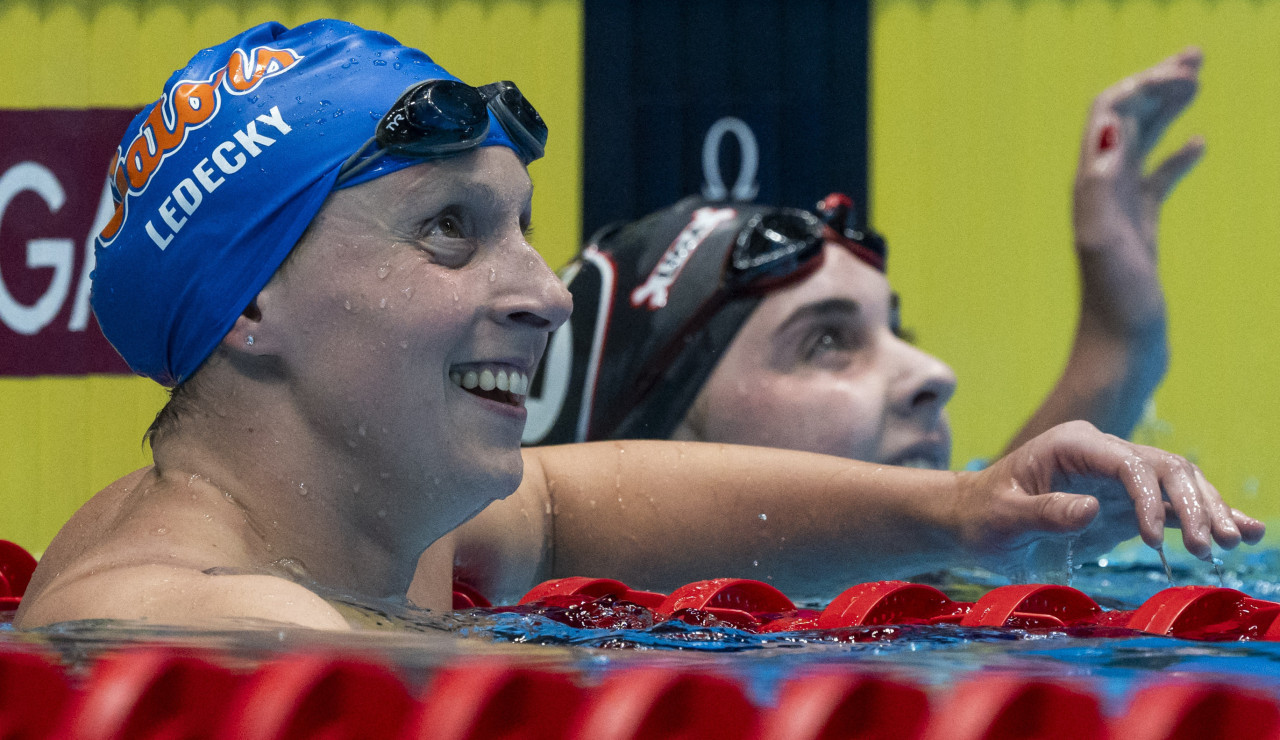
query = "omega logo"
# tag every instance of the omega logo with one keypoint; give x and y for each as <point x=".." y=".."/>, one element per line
<point x="745" y="186"/>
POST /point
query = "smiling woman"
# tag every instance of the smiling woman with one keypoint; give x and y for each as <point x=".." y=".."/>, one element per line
<point x="326" y="338"/>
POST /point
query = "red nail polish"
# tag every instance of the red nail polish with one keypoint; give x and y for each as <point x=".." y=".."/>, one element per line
<point x="1107" y="139"/>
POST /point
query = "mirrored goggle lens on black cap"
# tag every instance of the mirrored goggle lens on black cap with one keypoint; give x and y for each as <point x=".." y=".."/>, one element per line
<point x="434" y="117"/>
<point x="774" y="244"/>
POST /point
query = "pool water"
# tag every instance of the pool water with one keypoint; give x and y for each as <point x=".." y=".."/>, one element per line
<point x="929" y="655"/>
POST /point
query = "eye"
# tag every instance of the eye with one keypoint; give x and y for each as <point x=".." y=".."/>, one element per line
<point x="445" y="238"/>
<point x="447" y="225"/>
<point x="825" y="344"/>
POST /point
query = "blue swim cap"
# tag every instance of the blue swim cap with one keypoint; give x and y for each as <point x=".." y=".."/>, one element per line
<point x="216" y="181"/>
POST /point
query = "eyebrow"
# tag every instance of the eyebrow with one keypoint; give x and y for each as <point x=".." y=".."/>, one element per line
<point x="819" y="309"/>
<point x="477" y="190"/>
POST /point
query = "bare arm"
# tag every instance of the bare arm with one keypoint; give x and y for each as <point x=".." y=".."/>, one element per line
<point x="1120" y="352"/>
<point x="659" y="514"/>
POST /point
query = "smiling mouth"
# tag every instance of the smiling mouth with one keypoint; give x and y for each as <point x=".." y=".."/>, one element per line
<point x="503" y="385"/>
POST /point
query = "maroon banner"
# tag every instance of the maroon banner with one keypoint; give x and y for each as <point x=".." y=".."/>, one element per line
<point x="53" y="200"/>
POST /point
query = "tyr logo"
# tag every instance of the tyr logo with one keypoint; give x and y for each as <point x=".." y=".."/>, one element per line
<point x="654" y="290"/>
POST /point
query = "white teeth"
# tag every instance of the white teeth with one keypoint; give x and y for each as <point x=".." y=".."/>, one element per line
<point x="516" y="383"/>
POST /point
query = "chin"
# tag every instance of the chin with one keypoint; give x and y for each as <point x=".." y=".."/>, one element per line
<point x="502" y="473"/>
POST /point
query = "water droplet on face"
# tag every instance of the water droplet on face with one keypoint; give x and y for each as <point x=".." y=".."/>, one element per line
<point x="302" y="489"/>
<point x="764" y="517"/>
<point x="755" y="563"/>
<point x="346" y="305"/>
<point x="382" y="303"/>
<point x="162" y="530"/>
<point x="404" y="345"/>
<point x="384" y="270"/>
<point x="408" y="292"/>
<point x="493" y="275"/>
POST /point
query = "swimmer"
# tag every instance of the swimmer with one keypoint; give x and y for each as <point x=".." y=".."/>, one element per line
<point x="814" y="359"/>
<point x="348" y="312"/>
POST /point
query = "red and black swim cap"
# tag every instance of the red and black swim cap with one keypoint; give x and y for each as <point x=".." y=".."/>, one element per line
<point x="658" y="301"/>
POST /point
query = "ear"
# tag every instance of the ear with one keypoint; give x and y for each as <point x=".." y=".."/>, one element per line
<point x="246" y="335"/>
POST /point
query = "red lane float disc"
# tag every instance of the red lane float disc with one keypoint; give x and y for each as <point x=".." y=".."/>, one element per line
<point x="888" y="602"/>
<point x="1000" y="706"/>
<point x="319" y="697"/>
<point x="493" y="700"/>
<point x="665" y="704"/>
<point x="1199" y="710"/>
<point x="1031" y="606"/>
<point x="1204" y="612"/>
<point x="153" y="693"/>
<point x="844" y="704"/>
<point x="466" y="596"/>
<point x="16" y="567"/>
<point x="34" y="692"/>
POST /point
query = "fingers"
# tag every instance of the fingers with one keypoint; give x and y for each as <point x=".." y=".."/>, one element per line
<point x="1181" y="483"/>
<point x="1146" y="103"/>
<point x="1142" y="482"/>
<point x="1222" y="523"/>
<point x="1251" y="530"/>
<point x="1062" y="512"/>
<point x="1166" y="177"/>
<point x="1150" y="477"/>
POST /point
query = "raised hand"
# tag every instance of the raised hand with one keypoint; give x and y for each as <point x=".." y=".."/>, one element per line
<point x="1117" y="204"/>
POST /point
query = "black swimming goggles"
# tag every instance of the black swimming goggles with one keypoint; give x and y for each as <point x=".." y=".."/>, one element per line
<point x="774" y="248"/>
<point x="440" y="117"/>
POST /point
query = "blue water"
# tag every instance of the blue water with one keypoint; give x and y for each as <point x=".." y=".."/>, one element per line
<point x="933" y="656"/>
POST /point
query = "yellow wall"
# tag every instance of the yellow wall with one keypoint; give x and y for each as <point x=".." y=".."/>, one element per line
<point x="978" y="106"/>
<point x="61" y="439"/>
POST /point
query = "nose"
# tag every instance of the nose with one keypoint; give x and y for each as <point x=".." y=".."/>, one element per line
<point x="924" y="384"/>
<point x="533" y="296"/>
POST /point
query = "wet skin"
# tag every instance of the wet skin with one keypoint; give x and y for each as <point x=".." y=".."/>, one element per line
<point x="336" y="446"/>
<point x="819" y="366"/>
<point x="403" y="282"/>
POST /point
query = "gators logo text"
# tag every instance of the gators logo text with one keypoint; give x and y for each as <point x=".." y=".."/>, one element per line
<point x="186" y="106"/>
